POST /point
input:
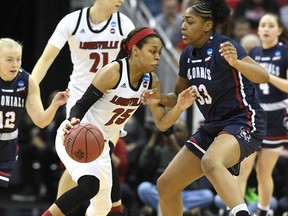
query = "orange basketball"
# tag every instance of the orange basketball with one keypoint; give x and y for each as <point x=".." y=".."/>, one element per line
<point x="84" y="143"/>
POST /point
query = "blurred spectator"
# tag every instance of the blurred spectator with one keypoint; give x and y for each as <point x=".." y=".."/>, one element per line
<point x="135" y="139"/>
<point x="253" y="10"/>
<point x="283" y="10"/>
<point x="241" y="27"/>
<point x="250" y="41"/>
<point x="156" y="156"/>
<point x="120" y="160"/>
<point x="233" y="4"/>
<point x="154" y="6"/>
<point x="170" y="19"/>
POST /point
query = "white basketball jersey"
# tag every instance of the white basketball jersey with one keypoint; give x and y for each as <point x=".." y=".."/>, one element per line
<point x="111" y="112"/>
<point x="91" y="46"/>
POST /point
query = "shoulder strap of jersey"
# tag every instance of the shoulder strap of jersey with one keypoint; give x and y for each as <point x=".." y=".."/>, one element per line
<point x="78" y="22"/>
<point x="151" y="81"/>
<point x="119" y="21"/>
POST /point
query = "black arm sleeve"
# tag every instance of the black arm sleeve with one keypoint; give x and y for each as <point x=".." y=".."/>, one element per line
<point x="91" y="95"/>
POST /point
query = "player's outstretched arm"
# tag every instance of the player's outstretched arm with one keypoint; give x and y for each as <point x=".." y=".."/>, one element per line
<point x="44" y="62"/>
<point x="281" y="84"/>
<point x="247" y="66"/>
<point x="34" y="105"/>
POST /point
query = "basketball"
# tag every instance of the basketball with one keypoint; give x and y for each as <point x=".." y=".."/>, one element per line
<point x="84" y="143"/>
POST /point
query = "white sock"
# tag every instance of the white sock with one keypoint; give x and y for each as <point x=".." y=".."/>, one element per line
<point x="264" y="208"/>
<point x="240" y="207"/>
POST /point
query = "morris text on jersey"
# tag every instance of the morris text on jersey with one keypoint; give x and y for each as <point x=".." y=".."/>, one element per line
<point x="99" y="45"/>
<point x="198" y="72"/>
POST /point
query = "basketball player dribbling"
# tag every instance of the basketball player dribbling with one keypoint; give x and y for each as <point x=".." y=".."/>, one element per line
<point x="94" y="35"/>
<point x="19" y="92"/>
<point x="110" y="100"/>
<point x="223" y="76"/>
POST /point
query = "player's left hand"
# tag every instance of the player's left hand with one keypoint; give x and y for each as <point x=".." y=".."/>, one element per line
<point x="229" y="52"/>
<point x="151" y="96"/>
<point x="61" y="98"/>
<point x="186" y="98"/>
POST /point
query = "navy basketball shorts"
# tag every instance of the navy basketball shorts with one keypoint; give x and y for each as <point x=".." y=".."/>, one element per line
<point x="249" y="135"/>
<point x="277" y="129"/>
<point x="8" y="158"/>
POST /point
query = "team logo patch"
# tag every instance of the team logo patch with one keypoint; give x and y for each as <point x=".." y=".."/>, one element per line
<point x="245" y="134"/>
<point x="112" y="30"/>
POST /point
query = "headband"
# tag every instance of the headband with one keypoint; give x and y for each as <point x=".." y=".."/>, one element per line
<point x="139" y="36"/>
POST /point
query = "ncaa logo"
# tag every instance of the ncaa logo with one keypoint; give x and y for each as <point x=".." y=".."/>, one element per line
<point x="113" y="24"/>
<point x="209" y="52"/>
<point x="278" y="53"/>
<point x="20" y="83"/>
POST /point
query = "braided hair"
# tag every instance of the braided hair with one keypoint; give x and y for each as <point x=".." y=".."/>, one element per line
<point x="218" y="11"/>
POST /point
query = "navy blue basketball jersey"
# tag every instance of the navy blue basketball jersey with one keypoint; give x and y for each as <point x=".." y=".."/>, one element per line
<point x="222" y="91"/>
<point x="275" y="61"/>
<point x="12" y="101"/>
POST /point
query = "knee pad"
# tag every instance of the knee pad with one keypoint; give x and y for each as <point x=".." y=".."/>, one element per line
<point x="87" y="188"/>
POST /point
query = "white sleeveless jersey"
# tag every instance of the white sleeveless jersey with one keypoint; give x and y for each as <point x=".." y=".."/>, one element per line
<point x="91" y="46"/>
<point x="111" y="112"/>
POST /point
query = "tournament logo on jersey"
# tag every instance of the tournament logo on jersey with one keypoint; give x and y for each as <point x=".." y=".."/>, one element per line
<point x="209" y="51"/>
<point x="277" y="56"/>
<point x="145" y="80"/>
<point x="113" y="25"/>
<point x="21" y="86"/>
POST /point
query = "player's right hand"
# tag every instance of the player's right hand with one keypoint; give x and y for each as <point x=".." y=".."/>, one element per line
<point x="70" y="124"/>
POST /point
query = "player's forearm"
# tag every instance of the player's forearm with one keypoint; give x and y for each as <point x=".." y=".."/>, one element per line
<point x="281" y="84"/>
<point x="252" y="70"/>
<point x="46" y="117"/>
<point x="168" y="100"/>
<point x="47" y="58"/>
<point x="40" y="70"/>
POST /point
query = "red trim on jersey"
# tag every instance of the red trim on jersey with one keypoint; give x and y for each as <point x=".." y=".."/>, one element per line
<point x="276" y="138"/>
<point x="239" y="98"/>
<point x="237" y="86"/>
<point x="5" y="174"/>
<point x="139" y="36"/>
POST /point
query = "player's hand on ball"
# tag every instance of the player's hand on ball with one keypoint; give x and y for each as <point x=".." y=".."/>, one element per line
<point x="70" y="124"/>
<point x="151" y="96"/>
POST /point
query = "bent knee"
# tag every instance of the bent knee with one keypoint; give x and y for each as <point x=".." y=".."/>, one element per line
<point x="208" y="165"/>
<point x="89" y="185"/>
